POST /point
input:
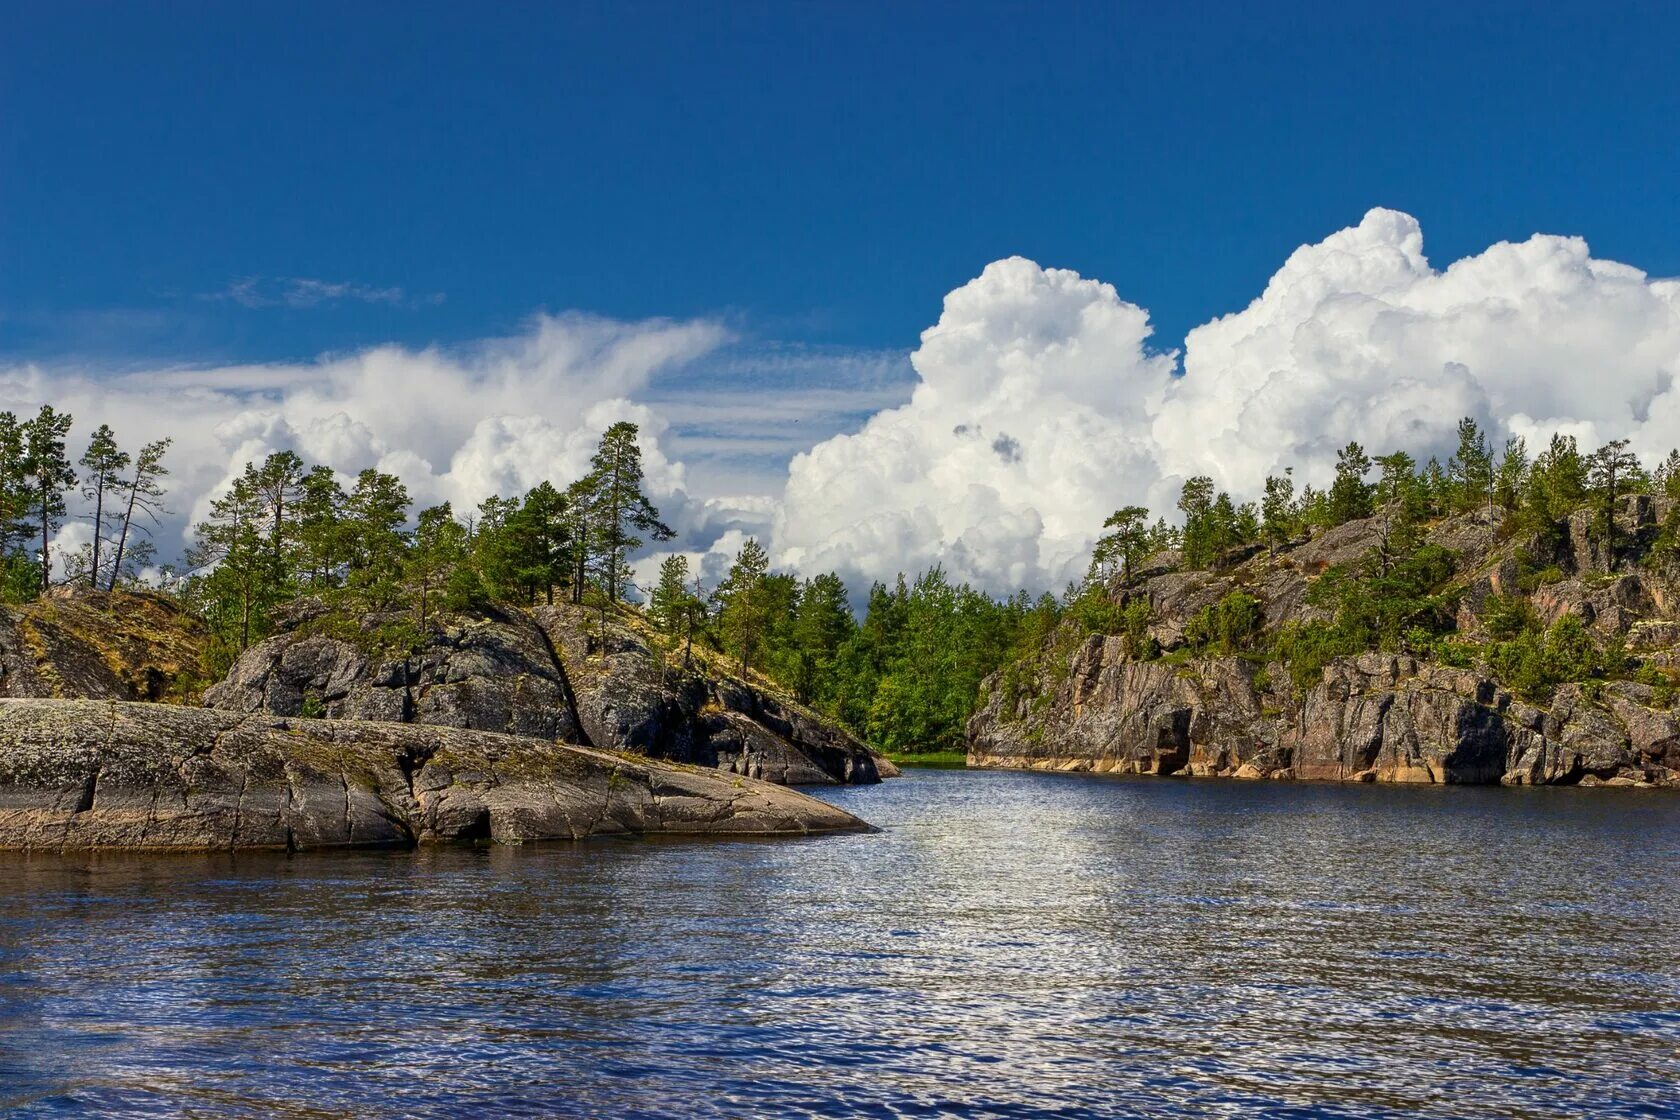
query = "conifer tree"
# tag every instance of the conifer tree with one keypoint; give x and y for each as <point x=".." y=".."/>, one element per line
<point x="620" y="509"/>
<point x="1471" y="468"/>
<point x="744" y="610"/>
<point x="1350" y="495"/>
<point x="1123" y="547"/>
<point x="375" y="512"/>
<point x="540" y="542"/>
<point x="143" y="498"/>
<point x="48" y="474"/>
<point x="240" y="579"/>
<point x="440" y="543"/>
<point x="102" y="467"/>
<point x="1277" y="510"/>
<point x="1195" y="501"/>
<point x="318" y="511"/>
<point x="1609" y="471"/>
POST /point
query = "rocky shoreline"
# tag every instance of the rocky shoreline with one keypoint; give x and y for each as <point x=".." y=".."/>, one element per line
<point x="82" y="774"/>
<point x="1094" y="706"/>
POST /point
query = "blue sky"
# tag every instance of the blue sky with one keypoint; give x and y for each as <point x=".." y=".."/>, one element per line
<point x="454" y="241"/>
<point x="818" y="174"/>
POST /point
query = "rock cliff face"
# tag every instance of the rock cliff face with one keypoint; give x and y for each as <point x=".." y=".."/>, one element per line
<point x="1375" y="717"/>
<point x="87" y="774"/>
<point x="555" y="674"/>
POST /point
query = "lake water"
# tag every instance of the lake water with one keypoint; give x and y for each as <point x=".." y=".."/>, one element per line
<point x="1011" y="945"/>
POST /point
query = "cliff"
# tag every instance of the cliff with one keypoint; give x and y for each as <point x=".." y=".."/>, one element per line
<point x="1155" y="703"/>
<point x="90" y="774"/>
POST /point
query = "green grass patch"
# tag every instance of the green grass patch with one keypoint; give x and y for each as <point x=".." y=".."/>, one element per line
<point x="930" y="760"/>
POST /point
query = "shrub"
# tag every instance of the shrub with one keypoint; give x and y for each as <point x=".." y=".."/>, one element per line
<point x="1229" y="626"/>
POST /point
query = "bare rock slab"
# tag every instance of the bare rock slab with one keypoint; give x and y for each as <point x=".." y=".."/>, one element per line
<point x="80" y="774"/>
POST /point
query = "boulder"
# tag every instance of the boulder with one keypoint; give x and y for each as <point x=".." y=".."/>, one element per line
<point x="633" y="696"/>
<point x="494" y="672"/>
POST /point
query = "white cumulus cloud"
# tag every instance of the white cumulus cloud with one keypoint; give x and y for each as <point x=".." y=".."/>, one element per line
<point x="1040" y="407"/>
<point x="457" y="425"/>
<point x="1035" y="395"/>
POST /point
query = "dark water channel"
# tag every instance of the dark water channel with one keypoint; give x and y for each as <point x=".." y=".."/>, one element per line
<point x="1011" y="945"/>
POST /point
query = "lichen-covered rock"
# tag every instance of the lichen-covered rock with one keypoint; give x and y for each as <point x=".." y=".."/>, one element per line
<point x="86" y="774"/>
<point x="490" y="673"/>
<point x="631" y="696"/>
<point x="79" y="643"/>
<point x="555" y="673"/>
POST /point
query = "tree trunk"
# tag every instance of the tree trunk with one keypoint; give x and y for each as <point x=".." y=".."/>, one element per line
<point x="122" y="539"/>
<point x="46" y="559"/>
<point x="98" y="528"/>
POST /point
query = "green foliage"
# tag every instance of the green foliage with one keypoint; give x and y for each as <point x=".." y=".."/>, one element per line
<point x="1350" y="495"/>
<point x="1127" y="543"/>
<point x="617" y="508"/>
<point x="1232" y="625"/>
<point x="20" y="578"/>
<point x="1533" y="662"/>
<point x="1213" y="524"/>
<point x="1279" y="518"/>
<point x="744" y="603"/>
<point x="1471" y="470"/>
<point x="1665" y="684"/>
<point x="46" y="475"/>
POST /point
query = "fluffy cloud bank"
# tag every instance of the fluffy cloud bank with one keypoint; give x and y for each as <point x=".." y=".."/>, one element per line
<point x="1039" y="404"/>
<point x="1036" y="393"/>
<point x="1040" y="407"/>
<point x="496" y="417"/>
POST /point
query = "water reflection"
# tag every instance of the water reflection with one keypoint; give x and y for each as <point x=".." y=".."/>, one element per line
<point x="1012" y="945"/>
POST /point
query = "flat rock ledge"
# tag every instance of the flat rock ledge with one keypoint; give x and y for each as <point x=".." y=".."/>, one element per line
<point x="84" y="774"/>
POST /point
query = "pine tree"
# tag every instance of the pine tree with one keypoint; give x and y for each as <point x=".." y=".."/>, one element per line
<point x="1512" y="474"/>
<point x="1195" y="501"/>
<point x="145" y="498"/>
<point x="1471" y="469"/>
<point x="103" y="464"/>
<point x="318" y="525"/>
<point x="580" y="509"/>
<point x="1609" y="470"/>
<point x="1123" y="547"/>
<point x="239" y="579"/>
<point x="1277" y="510"/>
<point x="14" y="489"/>
<point x="1350" y="495"/>
<point x="540" y="542"/>
<point x="821" y="627"/>
<point x="440" y="543"/>
<point x="48" y="475"/>
<point x="744" y="611"/>
<point x="495" y="547"/>
<point x="620" y="508"/>
<point x="375" y="513"/>
<point x="279" y="486"/>
<point x="666" y="604"/>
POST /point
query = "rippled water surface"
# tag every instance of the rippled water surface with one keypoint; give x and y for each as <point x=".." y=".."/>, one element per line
<point x="1010" y="945"/>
